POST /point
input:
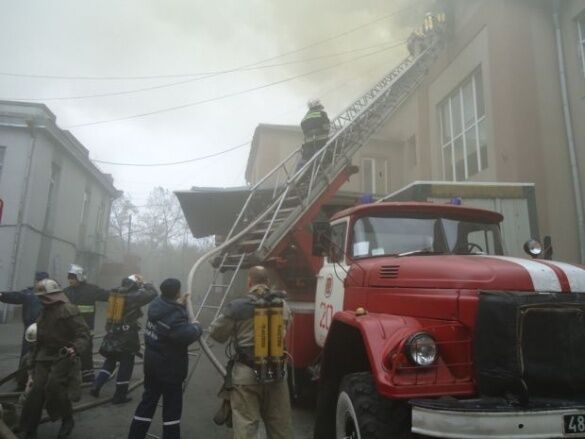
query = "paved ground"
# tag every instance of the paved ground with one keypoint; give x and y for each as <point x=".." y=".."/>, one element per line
<point x="112" y="422"/>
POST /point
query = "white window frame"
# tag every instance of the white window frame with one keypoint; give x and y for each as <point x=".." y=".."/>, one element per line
<point x="446" y="102"/>
<point x="581" y="33"/>
<point x="85" y="206"/>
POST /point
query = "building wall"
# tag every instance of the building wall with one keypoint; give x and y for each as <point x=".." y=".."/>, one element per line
<point x="38" y="231"/>
<point x="512" y="43"/>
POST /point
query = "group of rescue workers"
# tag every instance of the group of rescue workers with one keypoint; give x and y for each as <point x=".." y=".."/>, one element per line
<point x="57" y="352"/>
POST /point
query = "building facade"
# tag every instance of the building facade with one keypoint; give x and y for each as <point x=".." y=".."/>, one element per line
<point x="56" y="202"/>
<point x="491" y="109"/>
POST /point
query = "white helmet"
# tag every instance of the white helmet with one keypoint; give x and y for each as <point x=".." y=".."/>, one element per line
<point x="77" y="271"/>
<point x="315" y="104"/>
<point x="30" y="334"/>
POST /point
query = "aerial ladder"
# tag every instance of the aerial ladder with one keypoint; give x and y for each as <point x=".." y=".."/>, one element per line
<point x="274" y="223"/>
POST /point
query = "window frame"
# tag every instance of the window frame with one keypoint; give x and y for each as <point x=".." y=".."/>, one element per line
<point x="446" y="104"/>
<point x="333" y="257"/>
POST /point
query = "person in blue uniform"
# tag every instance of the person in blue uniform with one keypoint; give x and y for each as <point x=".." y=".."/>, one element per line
<point x="169" y="332"/>
<point x="31" y="310"/>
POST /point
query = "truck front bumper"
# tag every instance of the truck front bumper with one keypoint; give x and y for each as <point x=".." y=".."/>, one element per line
<point x="496" y="418"/>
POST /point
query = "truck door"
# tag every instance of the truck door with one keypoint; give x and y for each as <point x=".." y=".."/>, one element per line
<point x="330" y="292"/>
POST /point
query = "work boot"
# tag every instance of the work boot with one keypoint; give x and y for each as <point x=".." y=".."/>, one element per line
<point x="120" y="399"/>
<point x="66" y="428"/>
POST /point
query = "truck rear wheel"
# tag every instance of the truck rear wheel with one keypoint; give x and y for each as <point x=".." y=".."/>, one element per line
<point x="363" y="414"/>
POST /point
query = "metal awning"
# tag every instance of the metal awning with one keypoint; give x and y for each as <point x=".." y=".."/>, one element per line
<point x="212" y="211"/>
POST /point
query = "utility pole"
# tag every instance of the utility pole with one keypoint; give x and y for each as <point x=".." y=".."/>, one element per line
<point x="129" y="234"/>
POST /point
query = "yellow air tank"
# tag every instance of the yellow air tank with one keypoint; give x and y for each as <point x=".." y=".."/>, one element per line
<point x="261" y="341"/>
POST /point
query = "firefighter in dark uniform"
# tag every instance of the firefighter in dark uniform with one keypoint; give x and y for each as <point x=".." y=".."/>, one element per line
<point x="169" y="332"/>
<point x="121" y="343"/>
<point x="85" y="295"/>
<point x="315" y="126"/>
<point x="251" y="399"/>
<point x="31" y="309"/>
<point x="62" y="335"/>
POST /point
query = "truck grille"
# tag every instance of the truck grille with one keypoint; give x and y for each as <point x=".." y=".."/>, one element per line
<point x="389" y="271"/>
<point x="530" y="345"/>
<point x="552" y="340"/>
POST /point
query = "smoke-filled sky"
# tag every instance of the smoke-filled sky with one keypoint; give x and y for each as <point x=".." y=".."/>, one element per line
<point x="53" y="51"/>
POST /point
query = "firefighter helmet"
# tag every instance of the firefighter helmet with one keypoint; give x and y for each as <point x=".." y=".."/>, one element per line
<point x="47" y="286"/>
<point x="315" y="104"/>
<point x="77" y="271"/>
<point x="30" y="334"/>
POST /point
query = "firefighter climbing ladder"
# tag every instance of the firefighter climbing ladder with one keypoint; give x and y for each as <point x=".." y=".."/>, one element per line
<point x="280" y="199"/>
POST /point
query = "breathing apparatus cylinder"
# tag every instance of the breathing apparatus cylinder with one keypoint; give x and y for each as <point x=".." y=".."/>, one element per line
<point x="115" y="310"/>
<point x="110" y="309"/>
<point x="276" y="316"/>
<point x="261" y="341"/>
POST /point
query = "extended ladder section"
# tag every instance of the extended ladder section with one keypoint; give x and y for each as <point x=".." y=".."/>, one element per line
<point x="279" y="201"/>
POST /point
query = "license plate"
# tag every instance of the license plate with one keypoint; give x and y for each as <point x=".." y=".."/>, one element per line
<point x="574" y="424"/>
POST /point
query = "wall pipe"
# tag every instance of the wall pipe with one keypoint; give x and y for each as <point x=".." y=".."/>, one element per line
<point x="569" y="132"/>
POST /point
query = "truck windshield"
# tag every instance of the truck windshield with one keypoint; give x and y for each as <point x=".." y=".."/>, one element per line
<point x="401" y="236"/>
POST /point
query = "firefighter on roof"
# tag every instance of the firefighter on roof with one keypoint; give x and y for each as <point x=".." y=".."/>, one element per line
<point x="255" y="326"/>
<point x="85" y="295"/>
<point x="62" y="335"/>
<point x="121" y="343"/>
<point x="315" y="126"/>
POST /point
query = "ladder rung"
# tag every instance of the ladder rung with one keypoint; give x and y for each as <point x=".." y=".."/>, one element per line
<point x="218" y="285"/>
<point x="210" y="306"/>
<point x="250" y="242"/>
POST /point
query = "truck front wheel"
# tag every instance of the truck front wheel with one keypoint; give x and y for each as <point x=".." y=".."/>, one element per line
<point x="363" y="414"/>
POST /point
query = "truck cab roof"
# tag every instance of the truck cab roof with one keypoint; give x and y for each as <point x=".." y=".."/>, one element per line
<point x="405" y="208"/>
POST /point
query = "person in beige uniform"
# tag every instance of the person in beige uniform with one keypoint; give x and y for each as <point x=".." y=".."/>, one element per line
<point x="252" y="400"/>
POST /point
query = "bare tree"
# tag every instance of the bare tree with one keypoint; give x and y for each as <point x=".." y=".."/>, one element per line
<point x="120" y="219"/>
<point x="161" y="224"/>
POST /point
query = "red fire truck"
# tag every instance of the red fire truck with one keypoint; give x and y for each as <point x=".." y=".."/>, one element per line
<point x="424" y="324"/>
<point x="414" y="322"/>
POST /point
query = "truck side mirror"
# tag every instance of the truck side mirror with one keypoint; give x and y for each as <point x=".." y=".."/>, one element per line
<point x="321" y="238"/>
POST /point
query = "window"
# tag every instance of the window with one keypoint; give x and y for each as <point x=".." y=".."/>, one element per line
<point x="423" y="234"/>
<point x="581" y="29"/>
<point x="85" y="206"/>
<point x="368" y="176"/>
<point x="463" y="132"/>
<point x="337" y="242"/>
<point x="52" y="197"/>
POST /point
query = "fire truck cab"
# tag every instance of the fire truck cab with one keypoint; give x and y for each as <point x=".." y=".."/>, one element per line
<point x="427" y="328"/>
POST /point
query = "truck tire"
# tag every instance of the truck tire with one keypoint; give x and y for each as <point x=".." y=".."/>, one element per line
<point x="363" y="414"/>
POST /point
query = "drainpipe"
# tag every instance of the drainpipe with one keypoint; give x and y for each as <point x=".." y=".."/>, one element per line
<point x="569" y="132"/>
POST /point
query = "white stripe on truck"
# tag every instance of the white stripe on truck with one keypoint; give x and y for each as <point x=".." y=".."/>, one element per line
<point x="576" y="275"/>
<point x="543" y="278"/>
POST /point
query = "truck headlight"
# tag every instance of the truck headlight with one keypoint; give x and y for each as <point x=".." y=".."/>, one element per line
<point x="422" y="349"/>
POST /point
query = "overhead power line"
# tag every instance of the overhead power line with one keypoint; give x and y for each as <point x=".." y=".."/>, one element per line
<point x="196" y="159"/>
<point x="160" y="76"/>
<point x="210" y="75"/>
<point x="228" y="95"/>
<point x="225" y="151"/>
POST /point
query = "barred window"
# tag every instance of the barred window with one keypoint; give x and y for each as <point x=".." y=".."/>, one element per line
<point x="462" y="129"/>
